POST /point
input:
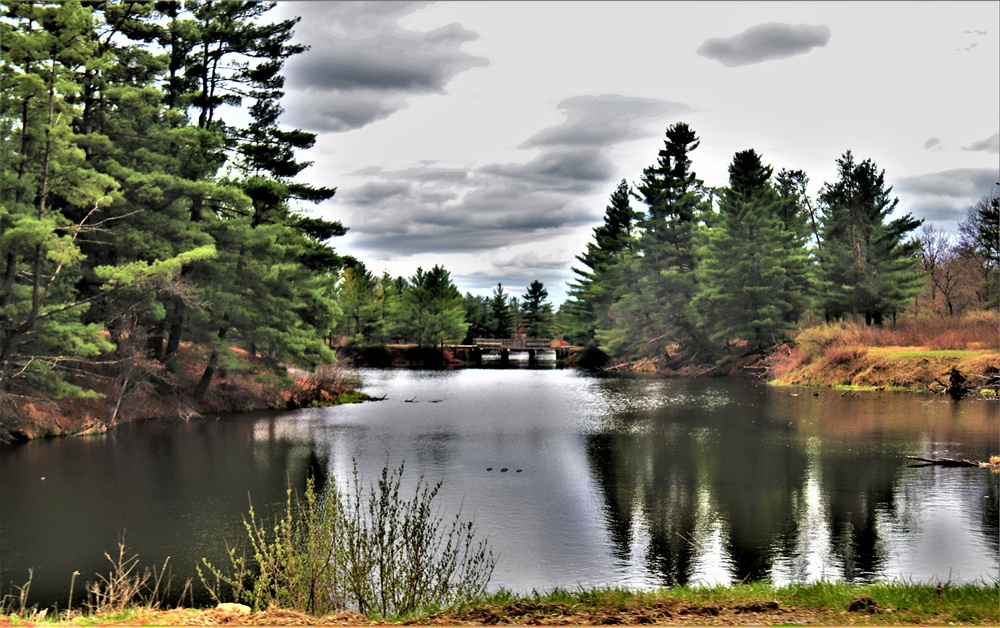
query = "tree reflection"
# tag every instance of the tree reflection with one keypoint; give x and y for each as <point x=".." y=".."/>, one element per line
<point x="758" y="478"/>
<point x="651" y="479"/>
<point x="857" y="485"/>
<point x="742" y="466"/>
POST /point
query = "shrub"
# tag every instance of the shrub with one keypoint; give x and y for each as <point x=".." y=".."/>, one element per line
<point x="813" y="342"/>
<point x="371" y="552"/>
<point x="127" y="586"/>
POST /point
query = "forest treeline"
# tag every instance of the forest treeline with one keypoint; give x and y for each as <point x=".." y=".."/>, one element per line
<point x="136" y="217"/>
<point x="693" y="274"/>
<point x="150" y="203"/>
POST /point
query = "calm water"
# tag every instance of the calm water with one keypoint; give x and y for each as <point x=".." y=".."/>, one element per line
<point x="632" y="482"/>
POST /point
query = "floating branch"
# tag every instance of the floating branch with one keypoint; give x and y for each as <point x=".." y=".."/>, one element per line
<point x="953" y="462"/>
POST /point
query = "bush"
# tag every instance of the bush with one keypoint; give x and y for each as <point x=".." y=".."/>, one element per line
<point x="374" y="553"/>
<point x="813" y="342"/>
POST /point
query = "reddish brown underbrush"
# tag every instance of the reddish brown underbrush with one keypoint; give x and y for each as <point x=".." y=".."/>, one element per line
<point x="972" y="332"/>
<point x="148" y="389"/>
<point x="913" y="354"/>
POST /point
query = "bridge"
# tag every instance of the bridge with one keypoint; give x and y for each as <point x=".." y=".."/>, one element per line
<point x="507" y="350"/>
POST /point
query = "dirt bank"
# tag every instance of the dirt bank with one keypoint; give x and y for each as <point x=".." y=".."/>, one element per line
<point x="155" y="391"/>
<point x="917" y="355"/>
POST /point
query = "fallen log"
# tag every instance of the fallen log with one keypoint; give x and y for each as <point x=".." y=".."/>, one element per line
<point x="950" y="462"/>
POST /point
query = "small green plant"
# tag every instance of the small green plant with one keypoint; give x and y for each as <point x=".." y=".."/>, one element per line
<point x="373" y="552"/>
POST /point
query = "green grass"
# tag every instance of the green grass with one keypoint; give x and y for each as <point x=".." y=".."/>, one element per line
<point x="347" y="397"/>
<point x="822" y="603"/>
<point x="353" y="397"/>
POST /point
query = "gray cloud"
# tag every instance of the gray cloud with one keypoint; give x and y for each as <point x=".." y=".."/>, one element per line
<point x="600" y="120"/>
<point x="933" y="143"/>
<point x="990" y="144"/>
<point x="429" y="207"/>
<point x="375" y="192"/>
<point x="944" y="197"/>
<point x="972" y="45"/>
<point x="339" y="111"/>
<point x="765" y="42"/>
<point x="563" y="169"/>
<point x="362" y="66"/>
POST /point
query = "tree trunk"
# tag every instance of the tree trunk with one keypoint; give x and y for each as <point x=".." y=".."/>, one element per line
<point x="206" y="377"/>
<point x="210" y="368"/>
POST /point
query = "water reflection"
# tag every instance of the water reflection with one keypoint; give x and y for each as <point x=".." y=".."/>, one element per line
<point x="739" y="487"/>
<point x="625" y="482"/>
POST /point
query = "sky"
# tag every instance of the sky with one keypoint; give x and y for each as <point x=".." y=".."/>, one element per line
<point x="487" y="137"/>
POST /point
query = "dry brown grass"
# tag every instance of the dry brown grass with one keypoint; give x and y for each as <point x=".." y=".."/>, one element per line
<point x="913" y="354"/>
<point x="978" y="331"/>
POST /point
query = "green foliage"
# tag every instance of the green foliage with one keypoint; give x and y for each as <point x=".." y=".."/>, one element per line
<point x="361" y="299"/>
<point x="867" y="266"/>
<point x="652" y="316"/>
<point x="479" y="316"/>
<point x="118" y="233"/>
<point x="598" y="286"/>
<point x="372" y="551"/>
<point x="753" y="276"/>
<point x="536" y="320"/>
<point x="48" y="197"/>
<point x="689" y="282"/>
<point x="502" y="314"/>
<point x="432" y="311"/>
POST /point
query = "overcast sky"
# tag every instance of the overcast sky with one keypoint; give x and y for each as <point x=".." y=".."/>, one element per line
<point x="488" y="136"/>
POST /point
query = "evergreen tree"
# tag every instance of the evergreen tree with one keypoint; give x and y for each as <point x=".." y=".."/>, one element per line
<point x="358" y="300"/>
<point x="48" y="198"/>
<point x="238" y="56"/>
<point x="115" y="224"/>
<point x="503" y="319"/>
<point x="751" y="276"/>
<point x="479" y="316"/>
<point x="592" y="294"/>
<point x="536" y="314"/>
<point x="867" y="265"/>
<point x="653" y="318"/>
<point x="433" y="309"/>
<point x="796" y="210"/>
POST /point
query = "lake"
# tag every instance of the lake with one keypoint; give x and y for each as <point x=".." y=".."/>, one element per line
<point x="609" y="481"/>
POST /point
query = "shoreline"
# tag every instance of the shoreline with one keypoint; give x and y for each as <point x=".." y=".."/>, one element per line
<point x="818" y="603"/>
<point x="827" y="356"/>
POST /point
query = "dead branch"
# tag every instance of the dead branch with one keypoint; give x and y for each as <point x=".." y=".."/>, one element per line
<point x="949" y="462"/>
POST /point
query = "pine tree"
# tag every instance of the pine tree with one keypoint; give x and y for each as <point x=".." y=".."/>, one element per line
<point x="536" y="314"/>
<point x="592" y="294"/>
<point x="867" y="265"/>
<point x="357" y="296"/>
<point x="654" y="319"/>
<point x="48" y="198"/>
<point x="751" y="277"/>
<point x="503" y="319"/>
<point x="433" y="309"/>
<point x="479" y="316"/>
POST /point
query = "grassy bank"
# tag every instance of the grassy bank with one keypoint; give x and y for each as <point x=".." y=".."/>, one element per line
<point x="755" y="604"/>
<point x="917" y="354"/>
